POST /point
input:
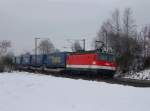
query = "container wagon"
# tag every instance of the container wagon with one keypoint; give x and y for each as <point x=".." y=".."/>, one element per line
<point x="37" y="61"/>
<point x="26" y="61"/>
<point x="56" y="60"/>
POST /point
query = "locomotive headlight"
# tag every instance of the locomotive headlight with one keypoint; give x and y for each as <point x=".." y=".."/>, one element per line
<point x="94" y="62"/>
<point x="107" y="64"/>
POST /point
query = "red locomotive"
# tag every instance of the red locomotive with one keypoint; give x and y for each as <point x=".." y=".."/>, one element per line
<point x="100" y="62"/>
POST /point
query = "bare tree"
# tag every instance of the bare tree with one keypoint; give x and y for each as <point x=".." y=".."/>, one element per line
<point x="129" y="26"/>
<point x="5" y="57"/>
<point x="110" y="31"/>
<point x="76" y="46"/>
<point x="4" y="45"/>
<point x="146" y="41"/>
<point x="115" y="22"/>
<point x="46" y="46"/>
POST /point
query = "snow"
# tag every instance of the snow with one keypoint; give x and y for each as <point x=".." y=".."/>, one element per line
<point x="142" y="75"/>
<point x="22" y="91"/>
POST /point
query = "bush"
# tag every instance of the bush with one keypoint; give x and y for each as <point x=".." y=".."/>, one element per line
<point x="147" y="62"/>
<point x="6" y="63"/>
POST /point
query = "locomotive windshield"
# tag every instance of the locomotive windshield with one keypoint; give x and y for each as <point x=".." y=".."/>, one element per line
<point x="106" y="57"/>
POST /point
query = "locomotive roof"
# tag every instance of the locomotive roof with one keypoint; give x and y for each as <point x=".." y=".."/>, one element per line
<point x="92" y="51"/>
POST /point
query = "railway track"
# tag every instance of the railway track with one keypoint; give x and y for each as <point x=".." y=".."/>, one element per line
<point x="89" y="77"/>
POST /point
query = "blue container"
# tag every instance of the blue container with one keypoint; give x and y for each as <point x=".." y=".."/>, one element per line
<point x="26" y="60"/>
<point x="18" y="60"/>
<point x="37" y="61"/>
<point x="56" y="60"/>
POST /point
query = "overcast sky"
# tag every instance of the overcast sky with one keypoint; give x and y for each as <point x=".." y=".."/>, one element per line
<point x="23" y="20"/>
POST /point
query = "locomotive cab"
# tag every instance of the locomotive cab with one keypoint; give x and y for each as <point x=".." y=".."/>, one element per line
<point x="106" y="62"/>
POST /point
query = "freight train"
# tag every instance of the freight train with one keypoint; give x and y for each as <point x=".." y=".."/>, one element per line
<point x="93" y="62"/>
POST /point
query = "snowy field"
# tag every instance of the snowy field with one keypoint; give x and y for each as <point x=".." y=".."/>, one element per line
<point x="22" y="91"/>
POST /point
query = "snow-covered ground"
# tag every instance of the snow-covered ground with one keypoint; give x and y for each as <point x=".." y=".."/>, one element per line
<point x="22" y="91"/>
<point x="143" y="75"/>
